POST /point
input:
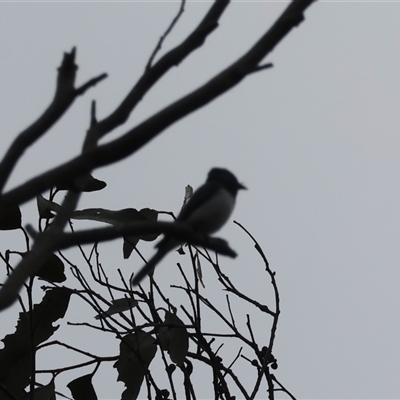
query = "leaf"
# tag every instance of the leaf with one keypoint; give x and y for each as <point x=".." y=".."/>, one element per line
<point x="148" y="214"/>
<point x="52" y="270"/>
<point x="129" y="245"/>
<point x="119" y="217"/>
<point x="85" y="183"/>
<point x="46" y="207"/>
<point x="117" y="306"/>
<point x="116" y="218"/>
<point x="93" y="184"/>
<point x="10" y="217"/>
<point x="174" y="338"/>
<point x="137" y="350"/>
<point x="199" y="271"/>
<point x="130" y="242"/>
<point x="15" y="357"/>
<point x="46" y="392"/>
<point x="82" y="388"/>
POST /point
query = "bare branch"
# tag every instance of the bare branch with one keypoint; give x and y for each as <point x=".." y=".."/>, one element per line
<point x="274" y="285"/>
<point x="230" y="287"/>
<point x="139" y="136"/>
<point x="65" y="95"/>
<point x="151" y="75"/>
<point x="72" y="348"/>
<point x="282" y="388"/>
<point x="90" y="83"/>
<point x="166" y="33"/>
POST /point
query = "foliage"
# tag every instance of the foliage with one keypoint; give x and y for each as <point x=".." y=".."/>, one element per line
<point x="34" y="327"/>
<point x="147" y="323"/>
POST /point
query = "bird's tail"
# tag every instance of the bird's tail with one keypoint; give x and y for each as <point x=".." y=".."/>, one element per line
<point x="152" y="263"/>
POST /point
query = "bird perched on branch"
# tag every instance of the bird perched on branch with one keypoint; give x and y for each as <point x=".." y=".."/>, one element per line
<point x="206" y="212"/>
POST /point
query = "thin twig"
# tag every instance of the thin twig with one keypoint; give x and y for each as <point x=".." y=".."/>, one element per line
<point x="164" y="36"/>
<point x="282" y="388"/>
<point x="274" y="285"/>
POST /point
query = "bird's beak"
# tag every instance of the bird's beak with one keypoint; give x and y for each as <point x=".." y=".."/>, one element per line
<point x="240" y="186"/>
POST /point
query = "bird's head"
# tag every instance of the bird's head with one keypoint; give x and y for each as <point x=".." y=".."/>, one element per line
<point x="226" y="179"/>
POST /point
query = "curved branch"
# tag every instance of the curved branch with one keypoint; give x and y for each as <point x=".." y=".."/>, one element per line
<point x="273" y="283"/>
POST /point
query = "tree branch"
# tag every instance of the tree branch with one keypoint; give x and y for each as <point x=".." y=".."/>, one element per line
<point x="64" y="96"/>
<point x="139" y="136"/>
<point x="152" y="74"/>
<point x="44" y="244"/>
<point x="54" y="239"/>
<point x="174" y="229"/>
<point x="166" y="33"/>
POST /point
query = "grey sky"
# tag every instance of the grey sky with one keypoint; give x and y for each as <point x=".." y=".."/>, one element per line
<point x="315" y="139"/>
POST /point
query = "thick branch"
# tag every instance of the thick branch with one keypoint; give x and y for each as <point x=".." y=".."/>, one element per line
<point x="177" y="230"/>
<point x="149" y="129"/>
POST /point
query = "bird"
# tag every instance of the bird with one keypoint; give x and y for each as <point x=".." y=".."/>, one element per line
<point x="206" y="211"/>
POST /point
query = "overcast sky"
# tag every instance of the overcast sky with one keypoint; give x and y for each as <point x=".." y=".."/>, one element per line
<point x="315" y="139"/>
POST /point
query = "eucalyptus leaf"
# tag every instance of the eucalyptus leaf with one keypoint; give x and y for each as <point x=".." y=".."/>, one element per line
<point x="129" y="245"/>
<point x="174" y="338"/>
<point x="137" y="350"/>
<point x="10" y="217"/>
<point x="46" y="392"/>
<point x="85" y="183"/>
<point x="82" y="388"/>
<point x="118" y="217"/>
<point x="15" y="356"/>
<point x="52" y="270"/>
<point x="113" y="217"/>
<point x="45" y="207"/>
<point x="117" y="306"/>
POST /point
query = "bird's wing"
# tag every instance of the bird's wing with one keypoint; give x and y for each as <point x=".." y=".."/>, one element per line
<point x="200" y="196"/>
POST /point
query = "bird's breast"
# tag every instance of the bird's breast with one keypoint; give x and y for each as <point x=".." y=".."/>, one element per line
<point x="214" y="213"/>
